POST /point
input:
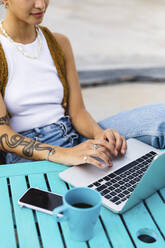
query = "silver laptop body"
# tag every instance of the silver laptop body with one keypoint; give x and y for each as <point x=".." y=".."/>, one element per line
<point x="147" y="180"/>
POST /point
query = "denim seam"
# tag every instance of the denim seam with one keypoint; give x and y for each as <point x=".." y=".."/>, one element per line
<point x="145" y="133"/>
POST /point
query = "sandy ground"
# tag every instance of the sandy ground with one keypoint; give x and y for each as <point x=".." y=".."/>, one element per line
<point x="105" y="101"/>
<point x="111" y="33"/>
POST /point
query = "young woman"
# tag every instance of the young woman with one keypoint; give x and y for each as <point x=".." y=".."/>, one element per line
<point x="42" y="114"/>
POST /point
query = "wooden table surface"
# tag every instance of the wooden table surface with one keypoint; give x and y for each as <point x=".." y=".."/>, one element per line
<point x="24" y="228"/>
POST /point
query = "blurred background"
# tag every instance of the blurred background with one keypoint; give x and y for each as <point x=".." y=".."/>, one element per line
<point x="119" y="48"/>
<point x="111" y="33"/>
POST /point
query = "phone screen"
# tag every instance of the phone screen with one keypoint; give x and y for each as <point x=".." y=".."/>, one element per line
<point x="42" y="199"/>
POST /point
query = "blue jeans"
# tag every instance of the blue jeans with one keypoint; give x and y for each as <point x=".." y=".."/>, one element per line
<point x="146" y="123"/>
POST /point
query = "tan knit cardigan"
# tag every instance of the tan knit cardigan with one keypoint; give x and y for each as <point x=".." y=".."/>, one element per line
<point x="57" y="56"/>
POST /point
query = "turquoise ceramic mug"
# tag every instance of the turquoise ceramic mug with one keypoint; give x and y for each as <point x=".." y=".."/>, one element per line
<point x="81" y="209"/>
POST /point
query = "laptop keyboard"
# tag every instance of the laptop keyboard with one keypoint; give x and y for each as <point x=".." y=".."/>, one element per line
<point x="118" y="186"/>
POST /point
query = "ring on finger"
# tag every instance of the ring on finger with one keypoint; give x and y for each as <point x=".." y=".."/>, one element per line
<point x="85" y="159"/>
<point x="95" y="146"/>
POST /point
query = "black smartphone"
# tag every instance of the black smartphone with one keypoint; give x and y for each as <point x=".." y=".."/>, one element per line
<point x="44" y="201"/>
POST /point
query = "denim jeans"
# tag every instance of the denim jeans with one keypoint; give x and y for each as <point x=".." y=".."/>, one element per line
<point x="146" y="123"/>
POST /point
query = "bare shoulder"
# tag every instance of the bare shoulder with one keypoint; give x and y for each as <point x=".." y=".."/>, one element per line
<point x="63" y="41"/>
<point x="61" y="38"/>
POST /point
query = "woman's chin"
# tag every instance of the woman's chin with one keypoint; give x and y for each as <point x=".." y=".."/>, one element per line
<point x="36" y="20"/>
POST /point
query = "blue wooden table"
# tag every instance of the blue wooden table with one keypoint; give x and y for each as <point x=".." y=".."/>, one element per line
<point x="24" y="228"/>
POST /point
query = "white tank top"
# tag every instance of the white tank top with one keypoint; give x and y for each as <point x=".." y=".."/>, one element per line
<point x="34" y="92"/>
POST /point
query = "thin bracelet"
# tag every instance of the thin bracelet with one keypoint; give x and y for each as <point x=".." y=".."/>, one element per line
<point x="51" y="152"/>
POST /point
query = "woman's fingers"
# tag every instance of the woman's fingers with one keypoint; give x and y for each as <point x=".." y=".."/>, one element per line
<point x="102" y="155"/>
<point x="105" y="155"/>
<point x="95" y="162"/>
<point x="98" y="152"/>
<point x="124" y="146"/>
<point x="110" y="146"/>
<point x="113" y="141"/>
<point x="110" y="138"/>
<point x="118" y="140"/>
<point x="121" y="144"/>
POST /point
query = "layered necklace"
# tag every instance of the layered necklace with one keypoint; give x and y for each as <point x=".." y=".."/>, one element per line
<point x="19" y="48"/>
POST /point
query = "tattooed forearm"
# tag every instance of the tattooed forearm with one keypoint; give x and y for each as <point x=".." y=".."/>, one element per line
<point x="4" y="120"/>
<point x="29" y="146"/>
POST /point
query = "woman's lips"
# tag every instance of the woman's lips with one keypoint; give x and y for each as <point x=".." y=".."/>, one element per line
<point x="38" y="15"/>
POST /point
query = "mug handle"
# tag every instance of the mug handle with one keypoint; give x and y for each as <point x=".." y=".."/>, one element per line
<point x="58" y="213"/>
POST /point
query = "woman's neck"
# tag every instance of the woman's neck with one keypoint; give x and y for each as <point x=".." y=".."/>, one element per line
<point x="19" y="31"/>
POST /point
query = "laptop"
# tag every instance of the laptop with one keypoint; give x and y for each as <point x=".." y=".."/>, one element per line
<point x="132" y="177"/>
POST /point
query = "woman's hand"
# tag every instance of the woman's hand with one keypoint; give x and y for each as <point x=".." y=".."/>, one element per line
<point x="98" y="151"/>
<point x="86" y="152"/>
<point x="113" y="141"/>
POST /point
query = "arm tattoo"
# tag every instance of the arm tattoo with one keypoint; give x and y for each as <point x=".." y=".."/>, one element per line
<point x="4" y="120"/>
<point x="29" y="146"/>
